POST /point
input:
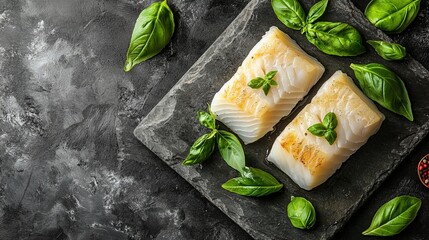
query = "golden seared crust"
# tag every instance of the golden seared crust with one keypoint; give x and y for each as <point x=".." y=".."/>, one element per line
<point x="303" y="151"/>
<point x="244" y="97"/>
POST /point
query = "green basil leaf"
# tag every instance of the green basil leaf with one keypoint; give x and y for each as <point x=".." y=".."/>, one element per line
<point x="201" y="149"/>
<point x="392" y="16"/>
<point x="206" y="119"/>
<point x="266" y="87"/>
<point x="152" y="32"/>
<point x="317" y="129"/>
<point x="385" y="87"/>
<point x="256" y="83"/>
<point x="301" y="213"/>
<point x="272" y="82"/>
<point x="254" y="183"/>
<point x="211" y="114"/>
<point x="388" y="51"/>
<point x="330" y="136"/>
<point x="231" y="150"/>
<point x="330" y="121"/>
<point x="394" y="216"/>
<point x="317" y="11"/>
<point x="270" y="75"/>
<point x="335" y="38"/>
<point x="290" y="13"/>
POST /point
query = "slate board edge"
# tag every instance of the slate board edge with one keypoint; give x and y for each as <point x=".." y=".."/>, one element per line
<point x="145" y="135"/>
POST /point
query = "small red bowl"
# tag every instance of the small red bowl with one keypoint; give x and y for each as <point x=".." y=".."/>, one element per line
<point x="423" y="170"/>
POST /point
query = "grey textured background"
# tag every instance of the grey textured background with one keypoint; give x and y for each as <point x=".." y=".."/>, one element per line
<point x="69" y="165"/>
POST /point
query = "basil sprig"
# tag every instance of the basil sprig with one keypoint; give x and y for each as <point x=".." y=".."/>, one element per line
<point x="326" y="128"/>
<point x="394" y="216"/>
<point x="388" y="51"/>
<point x="301" y="213"/>
<point x="392" y="16"/>
<point x="253" y="182"/>
<point x="265" y="82"/>
<point x="333" y="38"/>
<point x="152" y="32"/>
<point x="385" y="87"/>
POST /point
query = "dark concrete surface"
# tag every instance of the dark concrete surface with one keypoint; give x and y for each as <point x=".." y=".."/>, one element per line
<point x="70" y="167"/>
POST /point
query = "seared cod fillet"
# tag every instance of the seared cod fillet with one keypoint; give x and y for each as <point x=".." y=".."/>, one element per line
<point x="309" y="160"/>
<point x="248" y="112"/>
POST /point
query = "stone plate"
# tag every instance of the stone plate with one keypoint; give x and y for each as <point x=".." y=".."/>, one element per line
<point x="171" y="127"/>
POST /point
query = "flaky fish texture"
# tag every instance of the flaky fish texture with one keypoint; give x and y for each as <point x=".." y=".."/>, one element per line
<point x="310" y="160"/>
<point x="249" y="112"/>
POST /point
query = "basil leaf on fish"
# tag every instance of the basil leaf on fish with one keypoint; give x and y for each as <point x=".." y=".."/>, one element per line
<point x="265" y="82"/>
<point x="326" y="128"/>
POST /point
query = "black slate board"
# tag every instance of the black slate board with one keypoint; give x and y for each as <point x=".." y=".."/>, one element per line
<point x="171" y="127"/>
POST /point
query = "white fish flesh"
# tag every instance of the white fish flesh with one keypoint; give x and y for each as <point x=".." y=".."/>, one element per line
<point x="249" y="112"/>
<point x="310" y="160"/>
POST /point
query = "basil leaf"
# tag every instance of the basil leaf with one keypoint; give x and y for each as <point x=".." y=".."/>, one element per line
<point x="152" y="32"/>
<point x="385" y="87"/>
<point x="266" y="87"/>
<point x="253" y="183"/>
<point x="231" y="150"/>
<point x="290" y="13"/>
<point x="388" y="51"/>
<point x="394" y="216"/>
<point x="330" y="121"/>
<point x="201" y="149"/>
<point x="270" y="75"/>
<point x="265" y="82"/>
<point x="317" y="129"/>
<point x="317" y="11"/>
<point x="335" y="38"/>
<point x="206" y="119"/>
<point x="392" y="16"/>
<point x="272" y="82"/>
<point x="301" y="213"/>
<point x="330" y="136"/>
<point x="256" y="83"/>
